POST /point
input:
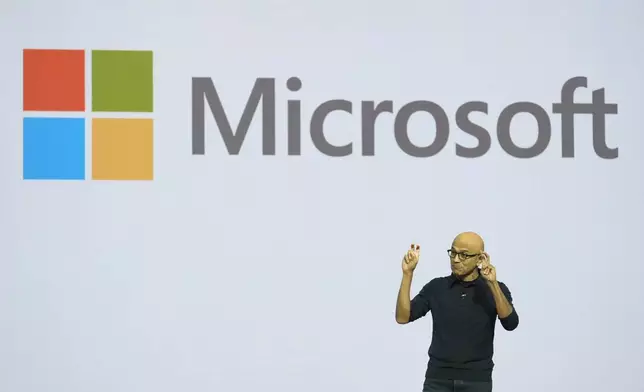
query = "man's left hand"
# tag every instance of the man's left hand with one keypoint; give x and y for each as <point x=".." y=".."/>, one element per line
<point x="487" y="270"/>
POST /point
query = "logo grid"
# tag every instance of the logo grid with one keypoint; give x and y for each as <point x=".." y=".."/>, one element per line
<point x="56" y="120"/>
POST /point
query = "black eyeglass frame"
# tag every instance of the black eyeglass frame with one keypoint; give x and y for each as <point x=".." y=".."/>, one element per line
<point x="461" y="255"/>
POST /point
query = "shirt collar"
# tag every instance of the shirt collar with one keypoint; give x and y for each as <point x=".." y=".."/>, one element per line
<point x="454" y="280"/>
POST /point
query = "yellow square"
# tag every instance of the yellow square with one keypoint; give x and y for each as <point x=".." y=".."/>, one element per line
<point x="122" y="149"/>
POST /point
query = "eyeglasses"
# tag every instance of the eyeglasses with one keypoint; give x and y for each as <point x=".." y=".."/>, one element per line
<point x="461" y="255"/>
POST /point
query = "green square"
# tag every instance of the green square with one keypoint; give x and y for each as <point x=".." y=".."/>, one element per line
<point x="122" y="81"/>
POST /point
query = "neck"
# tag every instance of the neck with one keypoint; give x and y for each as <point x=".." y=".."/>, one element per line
<point x="471" y="276"/>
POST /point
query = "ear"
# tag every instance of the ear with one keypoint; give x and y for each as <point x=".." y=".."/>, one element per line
<point x="482" y="258"/>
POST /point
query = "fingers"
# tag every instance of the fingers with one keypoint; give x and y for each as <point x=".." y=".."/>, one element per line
<point x="409" y="256"/>
<point x="487" y="271"/>
<point x="412" y="255"/>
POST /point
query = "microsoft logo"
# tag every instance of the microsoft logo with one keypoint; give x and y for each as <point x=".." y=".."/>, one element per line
<point x="56" y="124"/>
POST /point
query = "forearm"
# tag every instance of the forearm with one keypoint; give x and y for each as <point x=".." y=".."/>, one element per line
<point x="503" y="306"/>
<point x="403" y="304"/>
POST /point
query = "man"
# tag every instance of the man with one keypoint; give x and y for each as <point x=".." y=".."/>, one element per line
<point x="464" y="307"/>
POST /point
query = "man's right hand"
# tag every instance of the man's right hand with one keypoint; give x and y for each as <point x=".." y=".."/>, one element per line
<point x="410" y="261"/>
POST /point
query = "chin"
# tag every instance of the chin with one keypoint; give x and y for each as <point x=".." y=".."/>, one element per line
<point x="461" y="273"/>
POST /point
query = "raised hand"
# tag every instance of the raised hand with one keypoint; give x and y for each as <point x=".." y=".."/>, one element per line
<point x="410" y="261"/>
<point x="488" y="272"/>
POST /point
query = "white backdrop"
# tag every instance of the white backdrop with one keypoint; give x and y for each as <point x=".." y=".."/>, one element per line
<point x="247" y="273"/>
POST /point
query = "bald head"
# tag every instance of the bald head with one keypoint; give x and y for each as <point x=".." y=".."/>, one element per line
<point x="469" y="241"/>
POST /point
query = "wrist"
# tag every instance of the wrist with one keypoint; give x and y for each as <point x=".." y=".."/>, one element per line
<point x="408" y="274"/>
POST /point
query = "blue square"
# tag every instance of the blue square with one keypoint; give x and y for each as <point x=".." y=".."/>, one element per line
<point x="53" y="148"/>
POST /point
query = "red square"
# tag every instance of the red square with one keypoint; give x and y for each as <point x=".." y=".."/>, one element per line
<point x="53" y="80"/>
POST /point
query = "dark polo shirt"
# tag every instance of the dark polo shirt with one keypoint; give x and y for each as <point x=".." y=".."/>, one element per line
<point x="464" y="316"/>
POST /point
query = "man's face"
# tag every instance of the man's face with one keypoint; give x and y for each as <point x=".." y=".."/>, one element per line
<point x="463" y="260"/>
